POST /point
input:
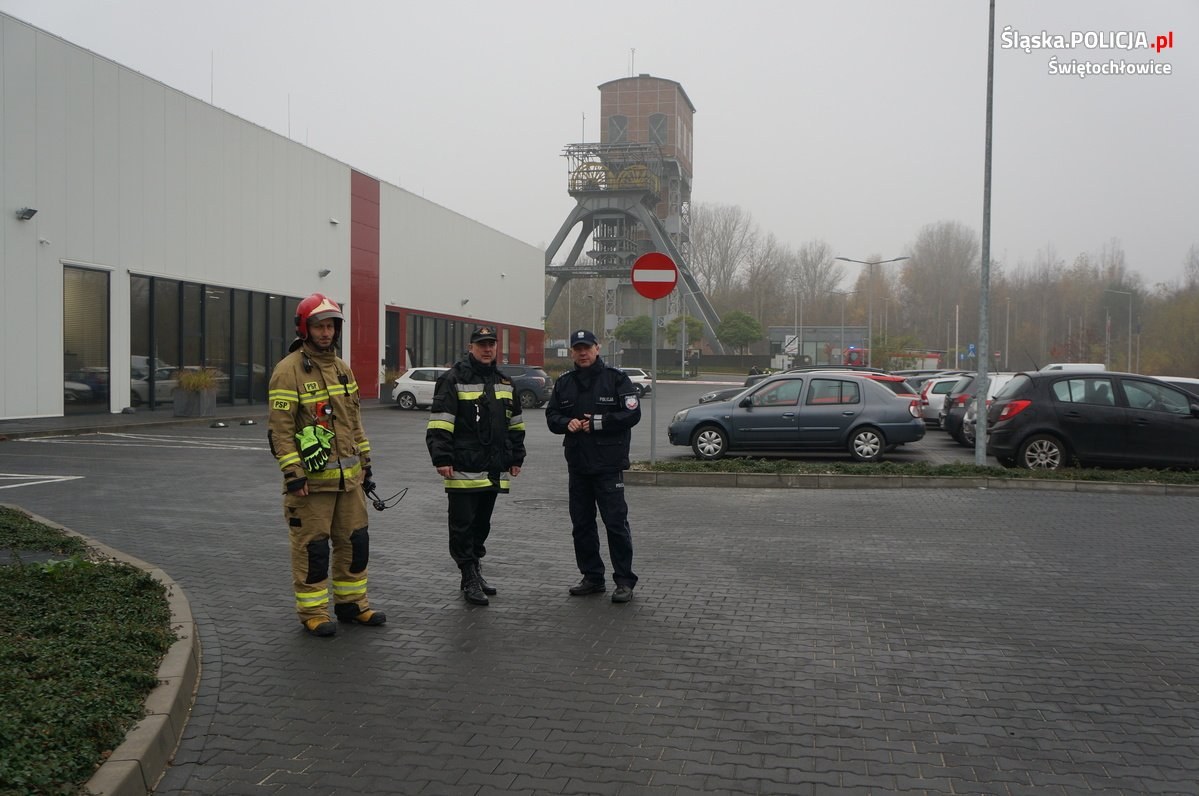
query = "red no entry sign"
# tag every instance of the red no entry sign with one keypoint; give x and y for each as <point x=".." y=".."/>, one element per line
<point x="654" y="275"/>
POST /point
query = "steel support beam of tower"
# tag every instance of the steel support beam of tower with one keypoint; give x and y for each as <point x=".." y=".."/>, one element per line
<point x="630" y="203"/>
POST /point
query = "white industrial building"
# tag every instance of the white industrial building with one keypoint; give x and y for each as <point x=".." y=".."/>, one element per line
<point x="144" y="230"/>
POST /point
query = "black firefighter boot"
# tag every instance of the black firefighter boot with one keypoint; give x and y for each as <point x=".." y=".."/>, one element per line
<point x="472" y="589"/>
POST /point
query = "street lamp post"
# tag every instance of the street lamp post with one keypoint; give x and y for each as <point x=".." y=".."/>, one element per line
<point x="870" y="299"/>
<point x="1128" y="363"/>
<point x="844" y="294"/>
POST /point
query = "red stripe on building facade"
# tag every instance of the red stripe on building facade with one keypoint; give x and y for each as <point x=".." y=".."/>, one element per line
<point x="364" y="283"/>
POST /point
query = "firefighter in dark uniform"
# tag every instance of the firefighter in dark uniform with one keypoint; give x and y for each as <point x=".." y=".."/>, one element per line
<point x="316" y="435"/>
<point x="596" y="407"/>
<point x="476" y="439"/>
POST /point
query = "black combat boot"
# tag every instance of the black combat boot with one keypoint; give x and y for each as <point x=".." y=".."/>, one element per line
<point x="472" y="590"/>
<point x="483" y="584"/>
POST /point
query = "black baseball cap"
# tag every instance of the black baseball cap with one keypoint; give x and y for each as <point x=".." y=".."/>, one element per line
<point x="482" y="333"/>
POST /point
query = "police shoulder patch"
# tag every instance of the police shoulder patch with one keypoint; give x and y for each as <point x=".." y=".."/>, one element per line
<point x="279" y="403"/>
<point x="630" y="402"/>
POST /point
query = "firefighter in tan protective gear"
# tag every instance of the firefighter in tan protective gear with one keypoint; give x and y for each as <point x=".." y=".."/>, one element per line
<point x="316" y="434"/>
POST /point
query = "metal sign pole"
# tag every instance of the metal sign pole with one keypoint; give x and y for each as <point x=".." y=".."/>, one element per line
<point x="653" y="369"/>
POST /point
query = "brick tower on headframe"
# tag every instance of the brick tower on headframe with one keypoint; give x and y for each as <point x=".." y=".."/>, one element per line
<point x="633" y="195"/>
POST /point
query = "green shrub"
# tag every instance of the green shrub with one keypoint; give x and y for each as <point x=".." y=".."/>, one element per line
<point x="80" y="645"/>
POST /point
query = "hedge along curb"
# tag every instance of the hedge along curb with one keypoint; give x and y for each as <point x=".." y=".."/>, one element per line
<point x="838" y="481"/>
<point x="139" y="762"/>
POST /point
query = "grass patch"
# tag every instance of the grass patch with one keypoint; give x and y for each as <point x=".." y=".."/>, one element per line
<point x="80" y="645"/>
<point x="747" y="464"/>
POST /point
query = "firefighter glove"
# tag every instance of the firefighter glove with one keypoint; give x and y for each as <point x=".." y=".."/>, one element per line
<point x="313" y="443"/>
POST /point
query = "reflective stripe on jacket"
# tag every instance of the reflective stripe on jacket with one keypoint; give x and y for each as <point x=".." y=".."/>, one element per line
<point x="294" y="397"/>
<point x="476" y="427"/>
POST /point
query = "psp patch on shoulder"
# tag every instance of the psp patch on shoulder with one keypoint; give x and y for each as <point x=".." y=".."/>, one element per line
<point x="630" y="402"/>
<point x="281" y="404"/>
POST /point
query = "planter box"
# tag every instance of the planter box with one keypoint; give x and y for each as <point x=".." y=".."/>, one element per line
<point x="195" y="404"/>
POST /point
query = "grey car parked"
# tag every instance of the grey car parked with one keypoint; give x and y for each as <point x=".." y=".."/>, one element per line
<point x="531" y="385"/>
<point x="795" y="411"/>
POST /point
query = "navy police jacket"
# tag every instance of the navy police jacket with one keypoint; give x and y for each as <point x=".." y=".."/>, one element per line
<point x="607" y="395"/>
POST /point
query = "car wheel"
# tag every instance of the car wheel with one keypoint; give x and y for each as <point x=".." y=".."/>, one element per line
<point x="528" y="399"/>
<point x="1041" y="452"/>
<point x="134" y="398"/>
<point x="709" y="443"/>
<point x="967" y="435"/>
<point x="867" y="444"/>
<point x="640" y="390"/>
<point x="406" y="400"/>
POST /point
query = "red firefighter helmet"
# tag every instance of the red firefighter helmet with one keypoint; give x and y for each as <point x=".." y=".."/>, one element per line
<point x="318" y="307"/>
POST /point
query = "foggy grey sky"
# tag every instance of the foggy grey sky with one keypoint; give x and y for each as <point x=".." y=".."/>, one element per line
<point x="852" y="121"/>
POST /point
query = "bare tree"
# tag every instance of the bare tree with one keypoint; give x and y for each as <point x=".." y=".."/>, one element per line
<point x="765" y="278"/>
<point x="940" y="281"/>
<point x="817" y="274"/>
<point x="721" y="239"/>
<point x="1190" y="268"/>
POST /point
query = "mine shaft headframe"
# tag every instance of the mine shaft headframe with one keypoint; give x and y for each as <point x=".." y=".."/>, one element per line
<point x="600" y="168"/>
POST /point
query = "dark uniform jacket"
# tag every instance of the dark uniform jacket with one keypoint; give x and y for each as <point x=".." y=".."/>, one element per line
<point x="610" y="398"/>
<point x="476" y="427"/>
<point x="307" y="387"/>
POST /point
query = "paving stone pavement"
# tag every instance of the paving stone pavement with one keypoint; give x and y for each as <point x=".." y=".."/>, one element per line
<point x="780" y="641"/>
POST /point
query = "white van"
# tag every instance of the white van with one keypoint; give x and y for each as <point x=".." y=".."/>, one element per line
<point x="1075" y="366"/>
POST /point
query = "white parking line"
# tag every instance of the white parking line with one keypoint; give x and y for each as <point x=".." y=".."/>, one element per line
<point x="124" y="440"/>
<point x="38" y="479"/>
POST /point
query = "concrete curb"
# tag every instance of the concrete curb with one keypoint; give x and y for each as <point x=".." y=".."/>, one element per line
<point x="782" y="481"/>
<point x="138" y="763"/>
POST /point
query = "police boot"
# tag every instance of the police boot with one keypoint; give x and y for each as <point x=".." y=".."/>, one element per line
<point x="483" y="584"/>
<point x="472" y="590"/>
<point x="348" y="612"/>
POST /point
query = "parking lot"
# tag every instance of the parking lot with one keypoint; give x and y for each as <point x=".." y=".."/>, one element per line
<point x="780" y="641"/>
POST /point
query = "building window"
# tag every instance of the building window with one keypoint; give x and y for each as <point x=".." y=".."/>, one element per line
<point x="657" y="129"/>
<point x="618" y="129"/>
<point x="85" y="353"/>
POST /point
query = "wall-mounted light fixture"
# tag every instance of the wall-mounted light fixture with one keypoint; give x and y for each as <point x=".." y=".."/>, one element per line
<point x="324" y="272"/>
<point x="26" y="213"/>
<point x="464" y="302"/>
<point x="334" y="221"/>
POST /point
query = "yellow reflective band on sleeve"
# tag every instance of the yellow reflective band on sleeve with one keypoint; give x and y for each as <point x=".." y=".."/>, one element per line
<point x="283" y="395"/>
<point x="364" y="447"/>
<point x="344" y="588"/>
<point x="311" y="599"/>
<point x="518" y="426"/>
<point x="288" y="459"/>
<point x="441" y="425"/>
<point x="503" y="392"/>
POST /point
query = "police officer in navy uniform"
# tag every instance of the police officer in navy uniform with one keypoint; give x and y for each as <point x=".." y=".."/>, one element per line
<point x="596" y="407"/>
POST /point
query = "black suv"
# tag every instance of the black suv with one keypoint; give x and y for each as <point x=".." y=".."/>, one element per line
<point x="531" y="385"/>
